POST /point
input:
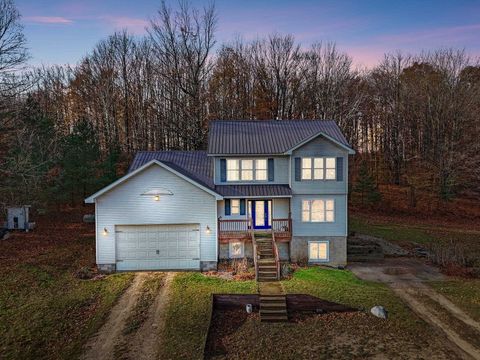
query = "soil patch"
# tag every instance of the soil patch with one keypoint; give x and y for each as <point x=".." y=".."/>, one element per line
<point x="102" y="345"/>
<point x="235" y="334"/>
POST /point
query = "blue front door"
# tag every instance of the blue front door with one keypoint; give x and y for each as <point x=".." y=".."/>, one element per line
<point x="261" y="214"/>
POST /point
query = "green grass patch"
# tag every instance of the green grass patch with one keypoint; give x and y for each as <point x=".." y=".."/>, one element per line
<point x="189" y="309"/>
<point x="48" y="313"/>
<point x="391" y="232"/>
<point x="344" y="287"/>
<point x="465" y="293"/>
<point x="189" y="312"/>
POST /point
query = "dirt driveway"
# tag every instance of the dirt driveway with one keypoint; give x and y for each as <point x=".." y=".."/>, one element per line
<point x="135" y="324"/>
<point x="408" y="278"/>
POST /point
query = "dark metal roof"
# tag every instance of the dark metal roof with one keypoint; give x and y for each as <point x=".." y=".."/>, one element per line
<point x="253" y="190"/>
<point x="193" y="164"/>
<point x="197" y="166"/>
<point x="266" y="136"/>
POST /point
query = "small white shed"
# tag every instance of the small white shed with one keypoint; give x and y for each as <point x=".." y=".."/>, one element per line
<point x="18" y="217"/>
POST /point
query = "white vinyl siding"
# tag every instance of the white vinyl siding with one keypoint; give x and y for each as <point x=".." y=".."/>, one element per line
<point x="318" y="251"/>
<point x="124" y="205"/>
<point x="318" y="210"/>
<point x="318" y="168"/>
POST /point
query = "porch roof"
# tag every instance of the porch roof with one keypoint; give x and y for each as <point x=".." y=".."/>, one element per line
<point x="254" y="191"/>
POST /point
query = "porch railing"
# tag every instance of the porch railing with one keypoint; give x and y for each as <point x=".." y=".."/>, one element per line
<point x="235" y="229"/>
<point x="242" y="229"/>
<point x="282" y="228"/>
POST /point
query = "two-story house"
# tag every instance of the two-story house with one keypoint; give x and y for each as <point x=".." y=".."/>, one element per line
<point x="281" y="179"/>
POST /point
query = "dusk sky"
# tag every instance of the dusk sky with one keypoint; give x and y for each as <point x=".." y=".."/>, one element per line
<point x="61" y="32"/>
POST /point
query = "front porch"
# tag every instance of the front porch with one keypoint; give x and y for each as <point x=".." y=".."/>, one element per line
<point x="240" y="219"/>
<point x="244" y="230"/>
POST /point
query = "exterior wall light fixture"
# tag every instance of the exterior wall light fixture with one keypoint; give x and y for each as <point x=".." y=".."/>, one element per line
<point x="156" y="193"/>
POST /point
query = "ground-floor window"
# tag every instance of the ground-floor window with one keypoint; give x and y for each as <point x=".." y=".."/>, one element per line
<point x="236" y="249"/>
<point x="318" y="251"/>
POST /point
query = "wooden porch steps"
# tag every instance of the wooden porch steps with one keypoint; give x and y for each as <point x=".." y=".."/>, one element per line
<point x="267" y="269"/>
<point x="273" y="302"/>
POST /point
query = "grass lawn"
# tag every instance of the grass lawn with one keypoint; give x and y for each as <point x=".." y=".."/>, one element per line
<point x="404" y="233"/>
<point x="465" y="293"/>
<point x="346" y="335"/>
<point x="344" y="287"/>
<point x="397" y="233"/>
<point x="189" y="312"/>
<point x="45" y="311"/>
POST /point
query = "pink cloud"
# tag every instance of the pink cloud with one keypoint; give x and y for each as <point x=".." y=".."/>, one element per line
<point x="135" y="25"/>
<point x="48" y="20"/>
<point x="443" y="34"/>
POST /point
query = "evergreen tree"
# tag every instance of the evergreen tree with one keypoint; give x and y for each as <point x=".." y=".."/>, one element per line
<point x="79" y="163"/>
<point x="366" y="186"/>
<point x="109" y="166"/>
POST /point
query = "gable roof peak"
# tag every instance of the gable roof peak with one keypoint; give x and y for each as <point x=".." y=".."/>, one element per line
<point x="244" y="137"/>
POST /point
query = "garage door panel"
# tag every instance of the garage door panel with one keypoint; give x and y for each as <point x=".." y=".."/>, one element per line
<point x="158" y="247"/>
<point x="158" y="265"/>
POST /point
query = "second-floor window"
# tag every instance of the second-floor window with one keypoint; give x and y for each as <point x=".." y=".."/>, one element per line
<point x="318" y="210"/>
<point x="247" y="169"/>
<point x="318" y="168"/>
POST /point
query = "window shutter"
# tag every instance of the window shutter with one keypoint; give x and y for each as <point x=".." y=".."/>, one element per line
<point x="271" y="171"/>
<point x="223" y="170"/>
<point x="242" y="206"/>
<point x="298" y="170"/>
<point x="339" y="168"/>
<point x="227" y="207"/>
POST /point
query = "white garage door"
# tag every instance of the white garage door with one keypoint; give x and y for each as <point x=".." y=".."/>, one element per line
<point x="158" y="247"/>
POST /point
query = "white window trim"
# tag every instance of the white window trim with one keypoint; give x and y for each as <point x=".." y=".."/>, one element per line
<point x="324" y="211"/>
<point x="310" y="260"/>
<point x="312" y="168"/>
<point x="254" y="170"/>
<point x="230" y="250"/>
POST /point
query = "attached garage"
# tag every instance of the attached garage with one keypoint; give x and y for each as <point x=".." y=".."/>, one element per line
<point x="155" y="218"/>
<point x="158" y="247"/>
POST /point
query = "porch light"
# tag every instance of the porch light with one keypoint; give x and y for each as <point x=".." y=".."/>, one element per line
<point x="105" y="231"/>
<point x="156" y="193"/>
<point x="208" y="230"/>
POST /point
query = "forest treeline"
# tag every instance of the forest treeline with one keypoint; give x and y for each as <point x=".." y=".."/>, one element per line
<point x="413" y="119"/>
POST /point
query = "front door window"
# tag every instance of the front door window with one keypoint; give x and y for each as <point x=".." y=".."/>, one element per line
<point x="260" y="211"/>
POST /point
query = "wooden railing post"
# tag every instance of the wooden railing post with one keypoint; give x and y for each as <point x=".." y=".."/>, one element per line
<point x="255" y="256"/>
<point x="277" y="255"/>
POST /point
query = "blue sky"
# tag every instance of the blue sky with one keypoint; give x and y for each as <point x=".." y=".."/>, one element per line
<point x="61" y="32"/>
